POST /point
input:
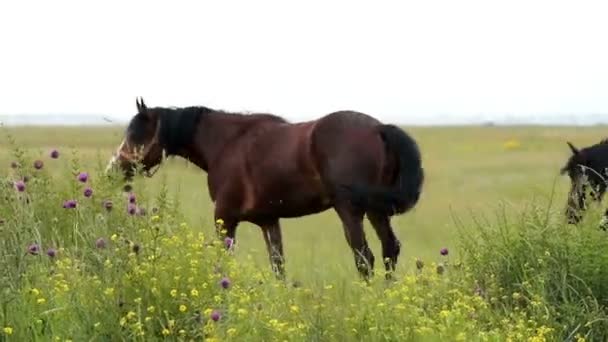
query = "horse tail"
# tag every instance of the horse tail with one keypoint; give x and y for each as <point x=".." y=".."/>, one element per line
<point x="405" y="190"/>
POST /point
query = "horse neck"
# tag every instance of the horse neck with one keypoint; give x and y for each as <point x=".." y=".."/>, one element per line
<point x="215" y="131"/>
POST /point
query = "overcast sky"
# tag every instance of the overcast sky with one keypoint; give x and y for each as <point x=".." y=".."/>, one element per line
<point x="394" y="60"/>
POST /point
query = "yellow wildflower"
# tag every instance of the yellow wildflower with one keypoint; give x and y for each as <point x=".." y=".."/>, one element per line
<point x="155" y="218"/>
<point x="511" y="144"/>
<point x="41" y="301"/>
<point x="194" y="293"/>
<point x="114" y="237"/>
<point x="166" y="332"/>
<point x="151" y="309"/>
<point x="183" y="308"/>
<point x="174" y="293"/>
<point x="8" y="330"/>
<point x="294" y="309"/>
<point x="109" y="291"/>
<point x="131" y="315"/>
<point x="35" y="291"/>
<point x="231" y="331"/>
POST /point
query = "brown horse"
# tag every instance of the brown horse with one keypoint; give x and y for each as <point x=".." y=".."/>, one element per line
<point x="261" y="168"/>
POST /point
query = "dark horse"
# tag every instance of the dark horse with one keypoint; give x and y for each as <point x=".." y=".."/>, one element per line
<point x="587" y="169"/>
<point x="261" y="168"/>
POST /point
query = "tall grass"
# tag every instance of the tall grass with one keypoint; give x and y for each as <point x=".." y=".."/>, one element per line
<point x="531" y="261"/>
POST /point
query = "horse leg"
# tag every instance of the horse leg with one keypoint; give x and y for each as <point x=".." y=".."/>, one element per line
<point x="274" y="245"/>
<point x="352" y="222"/>
<point x="391" y="246"/>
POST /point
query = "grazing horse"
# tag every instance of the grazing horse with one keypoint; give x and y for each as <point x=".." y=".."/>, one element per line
<point x="587" y="169"/>
<point x="261" y="168"/>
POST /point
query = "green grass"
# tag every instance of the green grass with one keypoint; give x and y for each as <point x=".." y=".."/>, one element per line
<point x="469" y="173"/>
<point x="467" y="168"/>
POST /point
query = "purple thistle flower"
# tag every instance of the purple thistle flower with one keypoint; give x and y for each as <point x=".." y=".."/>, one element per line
<point x="83" y="177"/>
<point x="228" y="242"/>
<point x="69" y="204"/>
<point x="108" y="205"/>
<point x="38" y="164"/>
<point x="51" y="252"/>
<point x="444" y="251"/>
<point x="33" y="249"/>
<point x="72" y="204"/>
<point x="225" y="282"/>
<point x="136" y="248"/>
<point x="216" y="315"/>
<point x="88" y="192"/>
<point x="132" y="198"/>
<point x="132" y="209"/>
<point x="54" y="154"/>
<point x="20" y="186"/>
<point x="100" y="243"/>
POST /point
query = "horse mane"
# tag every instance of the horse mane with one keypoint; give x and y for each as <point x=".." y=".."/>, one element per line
<point x="178" y="125"/>
<point x="603" y="141"/>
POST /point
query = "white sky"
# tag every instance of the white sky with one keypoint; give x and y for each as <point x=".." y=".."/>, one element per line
<point x="391" y="59"/>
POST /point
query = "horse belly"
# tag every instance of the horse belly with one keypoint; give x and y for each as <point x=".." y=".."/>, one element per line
<point x="303" y="206"/>
<point x="289" y="201"/>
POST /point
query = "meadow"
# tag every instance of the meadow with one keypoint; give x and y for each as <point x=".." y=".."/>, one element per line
<point x="493" y="199"/>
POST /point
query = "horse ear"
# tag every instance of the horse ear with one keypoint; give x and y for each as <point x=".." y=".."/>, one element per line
<point x="141" y="106"/>
<point x="572" y="148"/>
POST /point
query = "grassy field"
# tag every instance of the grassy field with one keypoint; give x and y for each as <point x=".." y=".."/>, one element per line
<point x="469" y="170"/>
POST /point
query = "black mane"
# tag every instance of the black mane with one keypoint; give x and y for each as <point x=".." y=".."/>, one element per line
<point x="178" y="126"/>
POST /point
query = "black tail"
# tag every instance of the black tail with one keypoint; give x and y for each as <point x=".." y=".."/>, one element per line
<point x="405" y="192"/>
